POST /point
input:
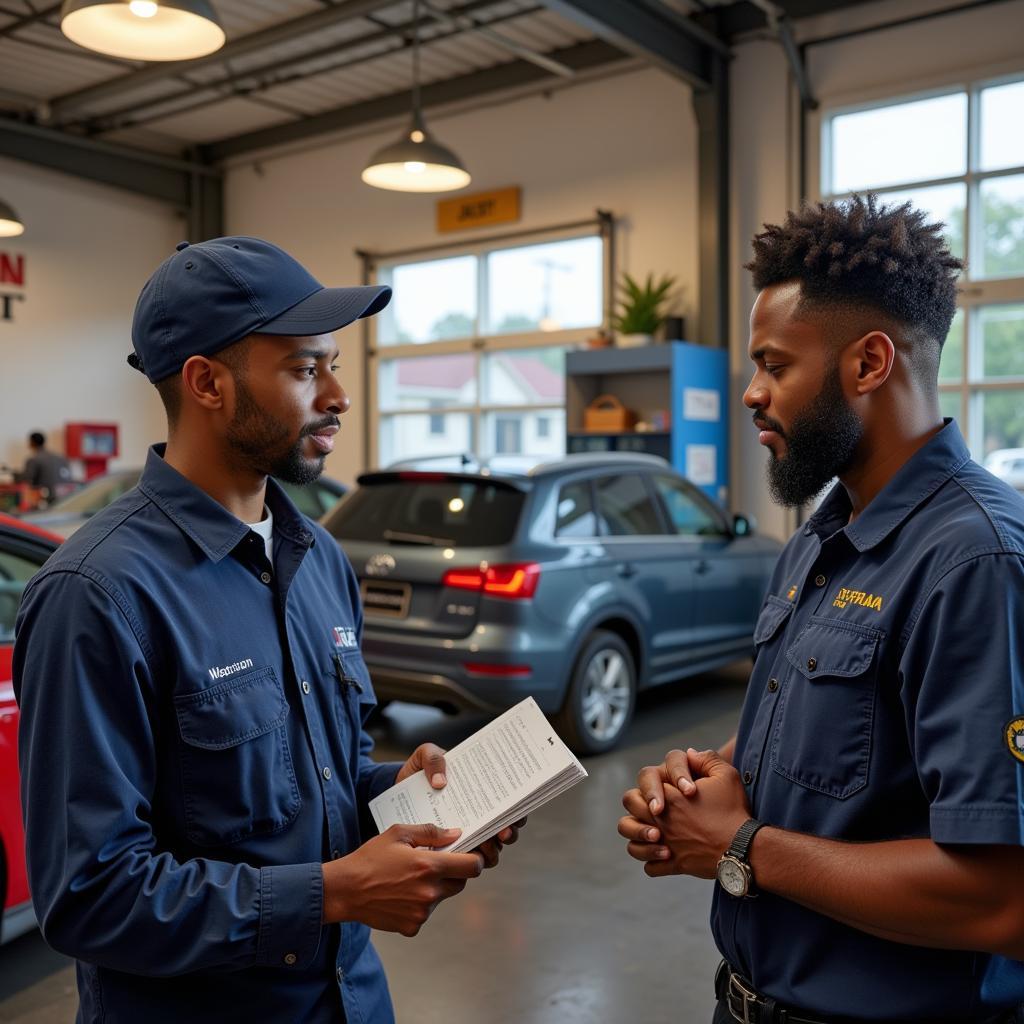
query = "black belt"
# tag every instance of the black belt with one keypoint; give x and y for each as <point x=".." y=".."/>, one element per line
<point x="748" y="1006"/>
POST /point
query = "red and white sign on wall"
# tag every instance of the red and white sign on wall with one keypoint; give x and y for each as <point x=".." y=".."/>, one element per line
<point x="12" y="283"/>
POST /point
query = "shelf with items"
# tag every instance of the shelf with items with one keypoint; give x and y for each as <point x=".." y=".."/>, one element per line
<point x="677" y="386"/>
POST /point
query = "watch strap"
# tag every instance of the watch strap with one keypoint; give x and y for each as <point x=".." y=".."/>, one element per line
<point x="740" y="845"/>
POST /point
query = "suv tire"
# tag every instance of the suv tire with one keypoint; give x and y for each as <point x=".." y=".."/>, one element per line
<point x="602" y="694"/>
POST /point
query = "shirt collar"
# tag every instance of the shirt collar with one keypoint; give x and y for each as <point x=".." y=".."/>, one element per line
<point x="916" y="481"/>
<point x="213" y="528"/>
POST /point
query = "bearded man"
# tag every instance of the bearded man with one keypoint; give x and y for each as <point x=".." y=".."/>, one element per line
<point x="864" y="825"/>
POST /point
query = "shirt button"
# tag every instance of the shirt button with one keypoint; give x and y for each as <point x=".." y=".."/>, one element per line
<point x="266" y="577"/>
<point x="305" y="686"/>
<point x="291" y="959"/>
<point x="812" y="664"/>
<point x="335" y="854"/>
<point x="773" y="685"/>
<point x="340" y="973"/>
<point x="819" y="580"/>
<point x="327" y="773"/>
<point x="748" y="778"/>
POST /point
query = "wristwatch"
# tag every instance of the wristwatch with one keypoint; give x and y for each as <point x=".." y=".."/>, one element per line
<point x="734" y="872"/>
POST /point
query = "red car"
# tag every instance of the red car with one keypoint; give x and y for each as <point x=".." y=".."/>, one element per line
<point x="23" y="549"/>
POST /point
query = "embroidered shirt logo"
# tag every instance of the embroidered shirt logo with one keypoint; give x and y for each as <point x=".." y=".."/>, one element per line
<point x="846" y="596"/>
<point x="220" y="671"/>
<point x="791" y="593"/>
<point x="1014" y="734"/>
<point x="344" y="636"/>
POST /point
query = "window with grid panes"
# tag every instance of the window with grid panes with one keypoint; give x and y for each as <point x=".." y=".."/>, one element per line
<point x="957" y="154"/>
<point x="470" y="354"/>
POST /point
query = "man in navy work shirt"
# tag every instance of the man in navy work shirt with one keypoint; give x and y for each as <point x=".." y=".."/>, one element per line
<point x="195" y="772"/>
<point x="864" y="825"/>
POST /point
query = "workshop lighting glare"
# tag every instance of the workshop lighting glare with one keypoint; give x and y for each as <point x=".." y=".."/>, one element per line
<point x="416" y="163"/>
<point x="144" y="29"/>
<point x="10" y="222"/>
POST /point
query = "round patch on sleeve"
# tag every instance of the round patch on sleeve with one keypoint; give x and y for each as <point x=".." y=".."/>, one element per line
<point x="1014" y="734"/>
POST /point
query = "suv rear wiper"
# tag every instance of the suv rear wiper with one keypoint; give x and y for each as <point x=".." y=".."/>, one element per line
<point x="417" y="538"/>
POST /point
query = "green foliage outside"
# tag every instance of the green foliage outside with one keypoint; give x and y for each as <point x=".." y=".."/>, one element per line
<point x="1001" y="327"/>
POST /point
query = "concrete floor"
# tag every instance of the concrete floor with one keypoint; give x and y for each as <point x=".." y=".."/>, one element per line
<point x="567" y="929"/>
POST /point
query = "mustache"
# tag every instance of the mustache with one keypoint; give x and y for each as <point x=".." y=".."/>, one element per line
<point x="764" y="423"/>
<point x="315" y="428"/>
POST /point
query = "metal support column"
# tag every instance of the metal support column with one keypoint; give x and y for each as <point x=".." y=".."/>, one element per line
<point x="712" y="110"/>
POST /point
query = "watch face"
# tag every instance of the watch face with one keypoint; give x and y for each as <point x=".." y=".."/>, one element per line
<point x="732" y="877"/>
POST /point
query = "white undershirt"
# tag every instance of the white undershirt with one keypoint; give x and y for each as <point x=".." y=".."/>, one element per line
<point x="265" y="528"/>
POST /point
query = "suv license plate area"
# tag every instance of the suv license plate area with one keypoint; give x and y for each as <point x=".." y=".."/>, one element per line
<point x="385" y="598"/>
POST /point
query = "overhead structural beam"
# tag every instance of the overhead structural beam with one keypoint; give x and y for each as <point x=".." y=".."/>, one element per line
<point x="192" y="186"/>
<point x="652" y="31"/>
<point x="581" y="57"/>
<point x="308" y="24"/>
<point x="779" y="24"/>
<point x="712" y="110"/>
<point x="28" y="19"/>
<point x="274" y="73"/>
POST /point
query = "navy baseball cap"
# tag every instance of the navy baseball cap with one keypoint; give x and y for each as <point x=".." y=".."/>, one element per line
<point x="209" y="295"/>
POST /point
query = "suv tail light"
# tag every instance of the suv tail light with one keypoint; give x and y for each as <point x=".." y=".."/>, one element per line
<point x="511" y="581"/>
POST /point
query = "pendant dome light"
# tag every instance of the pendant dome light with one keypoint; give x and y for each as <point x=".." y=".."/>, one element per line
<point x="416" y="163"/>
<point x="10" y="222"/>
<point x="143" y="29"/>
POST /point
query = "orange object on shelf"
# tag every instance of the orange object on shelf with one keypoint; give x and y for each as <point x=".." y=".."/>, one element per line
<point x="607" y="415"/>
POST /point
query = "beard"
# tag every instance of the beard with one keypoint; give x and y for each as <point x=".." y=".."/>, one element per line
<point x="820" y="445"/>
<point x="264" y="444"/>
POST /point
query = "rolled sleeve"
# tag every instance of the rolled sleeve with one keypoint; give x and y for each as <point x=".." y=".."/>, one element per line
<point x="963" y="682"/>
<point x="291" y="915"/>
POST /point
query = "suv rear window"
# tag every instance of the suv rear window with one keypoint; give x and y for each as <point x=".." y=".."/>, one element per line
<point x="458" y="513"/>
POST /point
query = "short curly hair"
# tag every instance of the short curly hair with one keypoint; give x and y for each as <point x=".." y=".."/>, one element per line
<point x="860" y="253"/>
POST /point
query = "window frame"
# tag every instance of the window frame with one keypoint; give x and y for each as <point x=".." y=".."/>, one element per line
<point x="974" y="293"/>
<point x="480" y="345"/>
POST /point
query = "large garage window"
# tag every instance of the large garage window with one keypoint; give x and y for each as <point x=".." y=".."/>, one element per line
<point x="470" y="354"/>
<point x="959" y="155"/>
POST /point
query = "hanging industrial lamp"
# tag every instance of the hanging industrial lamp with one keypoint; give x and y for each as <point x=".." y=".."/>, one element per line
<point x="143" y="29"/>
<point x="416" y="163"/>
<point x="10" y="222"/>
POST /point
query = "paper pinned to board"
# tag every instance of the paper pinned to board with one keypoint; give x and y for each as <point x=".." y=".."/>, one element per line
<point x="505" y="771"/>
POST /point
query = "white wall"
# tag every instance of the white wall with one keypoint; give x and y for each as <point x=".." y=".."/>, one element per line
<point x="889" y="62"/>
<point x="88" y="250"/>
<point x="625" y="143"/>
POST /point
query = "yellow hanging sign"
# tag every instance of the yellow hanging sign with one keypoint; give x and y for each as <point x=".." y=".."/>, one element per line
<point x="498" y="207"/>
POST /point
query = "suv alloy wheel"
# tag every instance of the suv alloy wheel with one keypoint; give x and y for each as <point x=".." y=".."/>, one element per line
<point x="601" y="697"/>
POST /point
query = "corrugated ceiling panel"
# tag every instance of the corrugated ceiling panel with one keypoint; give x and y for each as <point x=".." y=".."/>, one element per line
<point x="231" y="117"/>
<point x="242" y="17"/>
<point x="44" y="73"/>
<point x="335" y="36"/>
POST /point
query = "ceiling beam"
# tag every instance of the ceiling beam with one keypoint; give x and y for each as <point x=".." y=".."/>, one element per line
<point x="268" y="75"/>
<point x="650" y="30"/>
<point x="580" y="57"/>
<point x="308" y="24"/>
<point x="29" y="19"/>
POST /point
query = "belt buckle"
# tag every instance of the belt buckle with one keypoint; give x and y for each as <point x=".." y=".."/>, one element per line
<point x="749" y="997"/>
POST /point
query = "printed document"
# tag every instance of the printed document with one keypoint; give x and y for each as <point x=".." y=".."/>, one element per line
<point x="507" y="770"/>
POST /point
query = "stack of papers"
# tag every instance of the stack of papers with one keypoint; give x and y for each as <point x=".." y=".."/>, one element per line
<point x="502" y="773"/>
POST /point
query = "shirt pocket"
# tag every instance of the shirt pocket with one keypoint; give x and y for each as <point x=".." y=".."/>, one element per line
<point x="825" y="718"/>
<point x="355" y="699"/>
<point x="237" y="774"/>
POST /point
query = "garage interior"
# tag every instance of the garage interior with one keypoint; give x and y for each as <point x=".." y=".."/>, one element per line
<point x="659" y="134"/>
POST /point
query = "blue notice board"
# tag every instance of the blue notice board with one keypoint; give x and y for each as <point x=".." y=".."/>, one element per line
<point x="700" y="417"/>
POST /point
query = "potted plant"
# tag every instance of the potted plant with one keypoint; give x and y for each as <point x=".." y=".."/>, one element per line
<point x="640" y="309"/>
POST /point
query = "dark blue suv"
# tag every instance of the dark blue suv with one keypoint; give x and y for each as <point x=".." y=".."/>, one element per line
<point x="578" y="582"/>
